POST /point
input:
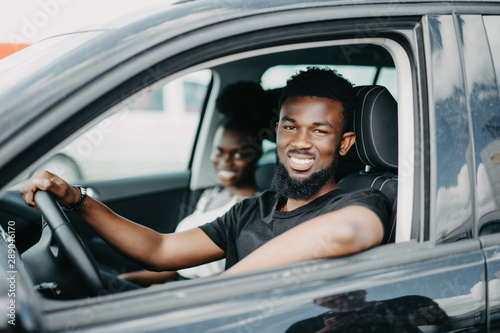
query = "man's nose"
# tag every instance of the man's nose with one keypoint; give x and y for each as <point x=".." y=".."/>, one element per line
<point x="302" y="140"/>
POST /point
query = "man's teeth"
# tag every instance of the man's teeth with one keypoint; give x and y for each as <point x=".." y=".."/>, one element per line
<point x="301" y="160"/>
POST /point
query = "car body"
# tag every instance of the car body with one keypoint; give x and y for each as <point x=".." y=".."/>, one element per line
<point x="442" y="59"/>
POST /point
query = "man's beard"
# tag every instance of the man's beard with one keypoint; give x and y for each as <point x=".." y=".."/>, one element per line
<point x="291" y="188"/>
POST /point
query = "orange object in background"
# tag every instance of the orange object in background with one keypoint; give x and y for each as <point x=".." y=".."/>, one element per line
<point x="9" y="48"/>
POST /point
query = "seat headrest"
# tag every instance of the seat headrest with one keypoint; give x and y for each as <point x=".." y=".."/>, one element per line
<point x="375" y="123"/>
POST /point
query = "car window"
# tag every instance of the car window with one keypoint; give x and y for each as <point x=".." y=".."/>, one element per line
<point x="388" y="78"/>
<point x="142" y="138"/>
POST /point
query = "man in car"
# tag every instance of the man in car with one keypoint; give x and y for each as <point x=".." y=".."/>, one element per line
<point x="308" y="217"/>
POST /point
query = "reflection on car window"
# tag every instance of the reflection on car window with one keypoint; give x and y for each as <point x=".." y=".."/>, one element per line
<point x="142" y="138"/>
<point x="492" y="25"/>
<point x="487" y="141"/>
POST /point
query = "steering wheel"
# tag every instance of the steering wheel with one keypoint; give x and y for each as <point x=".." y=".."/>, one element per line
<point x="79" y="257"/>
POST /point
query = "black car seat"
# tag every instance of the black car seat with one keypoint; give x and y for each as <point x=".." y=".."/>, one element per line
<point x="264" y="171"/>
<point x="375" y="123"/>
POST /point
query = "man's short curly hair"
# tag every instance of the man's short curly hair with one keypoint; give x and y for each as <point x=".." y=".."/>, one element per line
<point x="326" y="83"/>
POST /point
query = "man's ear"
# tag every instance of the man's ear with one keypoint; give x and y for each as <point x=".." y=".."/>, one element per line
<point x="348" y="139"/>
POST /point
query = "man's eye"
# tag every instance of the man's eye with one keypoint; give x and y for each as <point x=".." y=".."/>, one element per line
<point x="320" y="131"/>
<point x="289" y="127"/>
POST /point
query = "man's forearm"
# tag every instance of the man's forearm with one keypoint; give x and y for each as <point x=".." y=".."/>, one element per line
<point x="133" y="240"/>
<point x="152" y="250"/>
<point x="346" y="231"/>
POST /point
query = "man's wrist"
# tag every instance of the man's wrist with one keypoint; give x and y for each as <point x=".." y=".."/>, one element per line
<point x="82" y="196"/>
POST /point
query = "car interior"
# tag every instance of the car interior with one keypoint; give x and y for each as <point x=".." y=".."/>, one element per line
<point x="160" y="199"/>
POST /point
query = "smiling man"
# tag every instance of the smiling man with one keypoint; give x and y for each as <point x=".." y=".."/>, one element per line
<point x="308" y="217"/>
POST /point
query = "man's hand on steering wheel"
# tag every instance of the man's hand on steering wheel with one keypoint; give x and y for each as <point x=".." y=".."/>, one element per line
<point x="64" y="193"/>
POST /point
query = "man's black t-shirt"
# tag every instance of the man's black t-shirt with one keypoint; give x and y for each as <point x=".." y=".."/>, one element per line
<point x="255" y="221"/>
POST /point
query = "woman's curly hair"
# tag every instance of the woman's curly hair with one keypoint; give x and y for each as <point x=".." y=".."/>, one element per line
<point x="242" y="104"/>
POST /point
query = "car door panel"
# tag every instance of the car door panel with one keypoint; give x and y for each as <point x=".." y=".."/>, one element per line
<point x="434" y="295"/>
<point x="403" y="287"/>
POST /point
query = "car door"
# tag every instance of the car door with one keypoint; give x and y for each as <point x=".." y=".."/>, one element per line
<point x="406" y="287"/>
<point x="466" y="141"/>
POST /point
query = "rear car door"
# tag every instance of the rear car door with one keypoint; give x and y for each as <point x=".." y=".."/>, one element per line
<point x="486" y="123"/>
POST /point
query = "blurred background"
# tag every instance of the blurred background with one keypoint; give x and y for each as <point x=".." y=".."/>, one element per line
<point x="25" y="22"/>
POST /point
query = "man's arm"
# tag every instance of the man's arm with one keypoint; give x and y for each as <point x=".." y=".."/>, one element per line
<point x="149" y="248"/>
<point x="342" y="232"/>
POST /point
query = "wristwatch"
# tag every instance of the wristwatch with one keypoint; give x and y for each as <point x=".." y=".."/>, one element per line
<point x="82" y="195"/>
